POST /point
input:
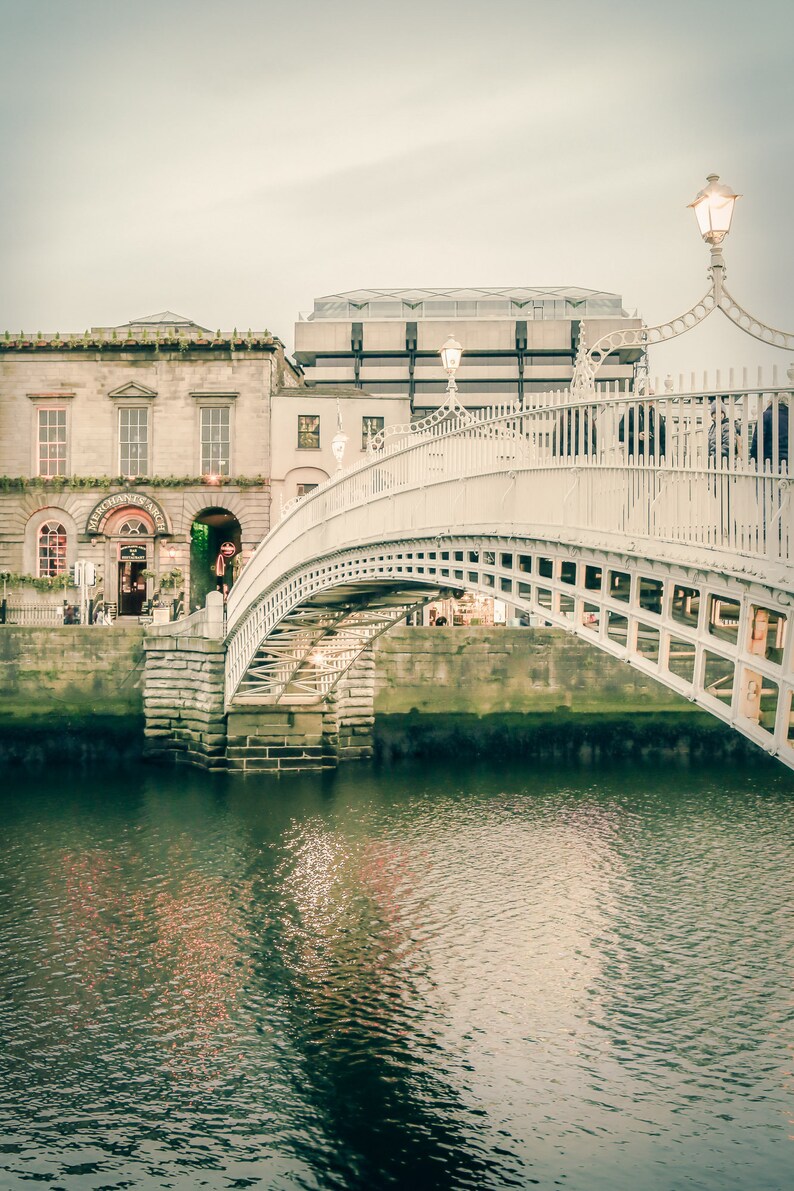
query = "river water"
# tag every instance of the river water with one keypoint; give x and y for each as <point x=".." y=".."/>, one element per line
<point x="419" y="977"/>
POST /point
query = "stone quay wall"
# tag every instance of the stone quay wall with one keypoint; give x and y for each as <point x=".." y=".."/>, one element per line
<point x="488" y="671"/>
<point x="183" y="700"/>
<point x="70" y="670"/>
<point x="75" y="691"/>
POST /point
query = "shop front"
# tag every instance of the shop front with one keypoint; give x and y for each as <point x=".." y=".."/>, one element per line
<point x="124" y="529"/>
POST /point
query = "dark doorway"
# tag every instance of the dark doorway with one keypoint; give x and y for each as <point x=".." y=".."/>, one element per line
<point x="211" y="529"/>
<point x="132" y="588"/>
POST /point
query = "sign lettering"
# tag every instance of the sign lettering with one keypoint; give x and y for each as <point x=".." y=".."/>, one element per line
<point x="123" y="499"/>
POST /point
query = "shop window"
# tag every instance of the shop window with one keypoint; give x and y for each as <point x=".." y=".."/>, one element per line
<point x="52" y="442"/>
<point x="133" y="442"/>
<point x="215" y="440"/>
<point x="370" y="426"/>
<point x="52" y="550"/>
<point x="309" y="432"/>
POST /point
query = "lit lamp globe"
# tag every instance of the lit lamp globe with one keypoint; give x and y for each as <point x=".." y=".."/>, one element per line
<point x="450" y="355"/>
<point x="338" y="444"/>
<point x="713" y="207"/>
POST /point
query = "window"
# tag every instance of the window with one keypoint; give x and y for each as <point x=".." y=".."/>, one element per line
<point x="303" y="489"/>
<point x="52" y="442"/>
<point x="52" y="548"/>
<point x="132" y="529"/>
<point x="309" y="432"/>
<point x="215" y="440"/>
<point x="369" y="428"/>
<point x="133" y="442"/>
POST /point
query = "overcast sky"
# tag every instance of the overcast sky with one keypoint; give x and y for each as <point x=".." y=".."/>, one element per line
<point x="233" y="160"/>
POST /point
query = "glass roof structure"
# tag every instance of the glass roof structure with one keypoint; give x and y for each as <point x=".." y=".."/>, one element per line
<point x="512" y="302"/>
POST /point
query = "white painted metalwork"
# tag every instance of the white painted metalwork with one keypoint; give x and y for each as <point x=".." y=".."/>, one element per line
<point x="659" y="528"/>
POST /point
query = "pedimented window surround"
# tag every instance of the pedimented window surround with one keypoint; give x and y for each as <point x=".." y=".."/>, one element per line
<point x="132" y="391"/>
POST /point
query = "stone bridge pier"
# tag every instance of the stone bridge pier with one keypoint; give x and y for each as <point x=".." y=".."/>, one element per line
<point x="186" y="720"/>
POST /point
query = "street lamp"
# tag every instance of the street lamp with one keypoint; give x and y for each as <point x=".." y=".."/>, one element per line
<point x="713" y="207"/>
<point x="450" y="354"/>
<point x="340" y="440"/>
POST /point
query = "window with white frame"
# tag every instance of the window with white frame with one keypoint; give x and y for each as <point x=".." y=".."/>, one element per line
<point x="51" y="550"/>
<point x="134" y="442"/>
<point x="52" y="442"/>
<point x="215" y="440"/>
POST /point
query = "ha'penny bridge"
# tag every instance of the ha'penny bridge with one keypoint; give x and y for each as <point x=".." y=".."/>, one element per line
<point x="677" y="563"/>
<point x="655" y="525"/>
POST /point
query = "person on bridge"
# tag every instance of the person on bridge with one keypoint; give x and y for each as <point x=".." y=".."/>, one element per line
<point x="574" y="434"/>
<point x="643" y="431"/>
<point x="719" y="433"/>
<point x="768" y="436"/>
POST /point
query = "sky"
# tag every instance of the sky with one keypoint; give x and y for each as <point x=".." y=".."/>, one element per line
<point x="233" y="161"/>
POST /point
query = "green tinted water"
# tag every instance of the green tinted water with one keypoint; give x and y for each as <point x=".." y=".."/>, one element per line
<point x="421" y="978"/>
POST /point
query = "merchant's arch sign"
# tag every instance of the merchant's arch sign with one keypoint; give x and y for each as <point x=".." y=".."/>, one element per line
<point x="132" y="500"/>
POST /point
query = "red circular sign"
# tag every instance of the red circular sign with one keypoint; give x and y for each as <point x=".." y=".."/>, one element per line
<point x="228" y="549"/>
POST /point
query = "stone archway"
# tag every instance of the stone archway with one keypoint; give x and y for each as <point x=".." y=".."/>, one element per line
<point x="212" y="527"/>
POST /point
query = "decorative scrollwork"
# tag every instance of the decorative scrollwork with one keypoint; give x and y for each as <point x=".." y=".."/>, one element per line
<point x="450" y="408"/>
<point x="753" y="326"/>
<point x="589" y="361"/>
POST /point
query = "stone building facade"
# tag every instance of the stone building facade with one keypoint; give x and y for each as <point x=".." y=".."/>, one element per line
<point x="138" y="449"/>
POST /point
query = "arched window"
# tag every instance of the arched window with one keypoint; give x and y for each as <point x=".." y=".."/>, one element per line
<point x="52" y="549"/>
<point x="132" y="529"/>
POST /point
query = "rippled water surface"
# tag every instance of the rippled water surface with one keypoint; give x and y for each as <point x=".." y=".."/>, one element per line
<point x="419" y="977"/>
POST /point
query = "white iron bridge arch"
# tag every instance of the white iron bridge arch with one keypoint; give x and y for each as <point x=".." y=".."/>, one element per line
<point x="657" y="528"/>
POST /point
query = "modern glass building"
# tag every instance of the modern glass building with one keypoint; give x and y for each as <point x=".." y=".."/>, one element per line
<point x="515" y="341"/>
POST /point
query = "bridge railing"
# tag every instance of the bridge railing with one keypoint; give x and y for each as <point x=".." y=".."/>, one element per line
<point x="697" y="469"/>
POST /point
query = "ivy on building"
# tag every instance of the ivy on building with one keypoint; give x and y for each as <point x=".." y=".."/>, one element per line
<point x="71" y="483"/>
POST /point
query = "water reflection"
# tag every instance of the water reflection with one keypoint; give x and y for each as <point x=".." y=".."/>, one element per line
<point x="422" y="978"/>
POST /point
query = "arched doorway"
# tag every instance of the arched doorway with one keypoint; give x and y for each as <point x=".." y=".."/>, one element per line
<point x="211" y="530"/>
<point x="131" y="539"/>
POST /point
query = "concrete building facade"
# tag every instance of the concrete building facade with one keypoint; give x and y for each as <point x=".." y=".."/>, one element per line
<point x="515" y="341"/>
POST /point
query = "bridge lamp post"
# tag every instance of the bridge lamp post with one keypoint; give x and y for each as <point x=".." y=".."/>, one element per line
<point x="713" y="207"/>
<point x="340" y="440"/>
<point x="450" y="354"/>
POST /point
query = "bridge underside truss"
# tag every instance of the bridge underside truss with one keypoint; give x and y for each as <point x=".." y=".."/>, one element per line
<point x="722" y="641"/>
<point x="310" y="649"/>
